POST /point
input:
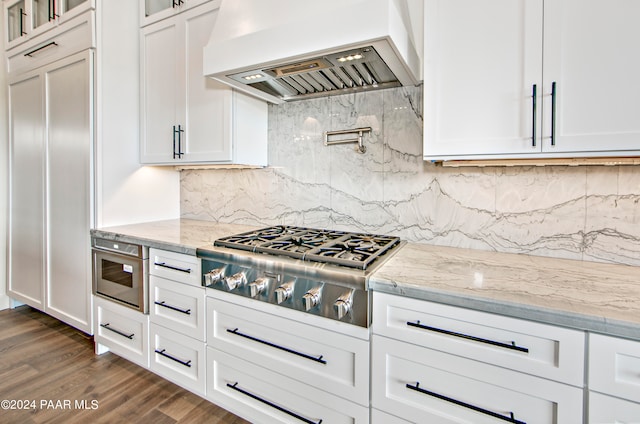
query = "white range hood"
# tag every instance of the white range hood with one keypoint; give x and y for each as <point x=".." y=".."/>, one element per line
<point x="280" y="50"/>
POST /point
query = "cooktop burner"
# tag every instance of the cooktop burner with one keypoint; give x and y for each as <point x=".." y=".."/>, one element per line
<point x="353" y="250"/>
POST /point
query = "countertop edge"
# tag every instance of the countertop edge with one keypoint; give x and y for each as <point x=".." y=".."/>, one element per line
<point x="152" y="243"/>
<point x="523" y="311"/>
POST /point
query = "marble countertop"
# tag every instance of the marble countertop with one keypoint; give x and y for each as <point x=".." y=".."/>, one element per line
<point x="177" y="235"/>
<point x="590" y="296"/>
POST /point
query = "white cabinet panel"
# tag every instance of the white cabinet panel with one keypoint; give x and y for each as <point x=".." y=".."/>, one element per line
<point x="607" y="409"/>
<point x="175" y="266"/>
<point x="70" y="136"/>
<point x="614" y="366"/>
<point x="27" y="191"/>
<point x="248" y="390"/>
<point x="424" y="385"/>
<point x="533" y="348"/>
<point x="177" y="306"/>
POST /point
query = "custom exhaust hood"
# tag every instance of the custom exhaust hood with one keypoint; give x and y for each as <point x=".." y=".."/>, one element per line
<point x="282" y="50"/>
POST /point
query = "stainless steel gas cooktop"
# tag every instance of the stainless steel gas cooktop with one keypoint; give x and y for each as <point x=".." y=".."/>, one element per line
<point x="316" y="271"/>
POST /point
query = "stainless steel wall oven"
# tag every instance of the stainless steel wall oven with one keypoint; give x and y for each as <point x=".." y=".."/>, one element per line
<point x="120" y="272"/>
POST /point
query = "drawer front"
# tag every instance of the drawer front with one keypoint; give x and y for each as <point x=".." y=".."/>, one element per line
<point x="424" y="385"/>
<point x="178" y="358"/>
<point x="614" y="366"/>
<point x="607" y="409"/>
<point x="329" y="361"/>
<point x="379" y="417"/>
<point x="75" y="36"/>
<point x="538" y="349"/>
<point x="263" y="396"/>
<point x="124" y="331"/>
<point x="178" y="307"/>
<point x="175" y="266"/>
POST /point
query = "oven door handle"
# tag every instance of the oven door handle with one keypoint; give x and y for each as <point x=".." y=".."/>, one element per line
<point x="175" y="268"/>
<point x="286" y="349"/>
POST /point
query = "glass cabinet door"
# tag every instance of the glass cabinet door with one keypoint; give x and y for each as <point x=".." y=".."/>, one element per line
<point x="42" y="11"/>
<point x="152" y="7"/>
<point x="15" y="21"/>
<point x="70" y="4"/>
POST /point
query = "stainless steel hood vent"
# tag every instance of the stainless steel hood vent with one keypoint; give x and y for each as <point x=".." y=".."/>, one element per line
<point x="348" y="45"/>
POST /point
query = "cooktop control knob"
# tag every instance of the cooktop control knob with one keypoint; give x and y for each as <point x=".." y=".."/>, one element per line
<point x="214" y="276"/>
<point x="343" y="304"/>
<point x="259" y="286"/>
<point x="312" y="298"/>
<point x="284" y="292"/>
<point x="238" y="279"/>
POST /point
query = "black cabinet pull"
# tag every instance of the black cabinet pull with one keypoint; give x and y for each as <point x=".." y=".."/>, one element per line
<point x="177" y="131"/>
<point x="554" y="96"/>
<point x="52" y="43"/>
<point x="175" y="268"/>
<point x="510" y="418"/>
<point x="174" y="142"/>
<point x="286" y="349"/>
<point x="534" y="103"/>
<point x="176" y="3"/>
<point x="173" y="308"/>
<point x="128" y="336"/>
<point x="511" y="346"/>
<point x="173" y="358"/>
<point x="22" y="15"/>
<point x="52" y="10"/>
<point x="180" y="131"/>
<point x="235" y="387"/>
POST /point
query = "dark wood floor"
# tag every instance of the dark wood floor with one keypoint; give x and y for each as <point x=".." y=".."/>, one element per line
<point x="45" y="361"/>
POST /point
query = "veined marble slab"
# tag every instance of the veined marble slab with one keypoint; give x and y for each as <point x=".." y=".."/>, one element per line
<point x="177" y="235"/>
<point x="583" y="295"/>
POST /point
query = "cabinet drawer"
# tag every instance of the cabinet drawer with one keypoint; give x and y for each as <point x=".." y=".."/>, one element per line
<point x="263" y="396"/>
<point x="178" y="307"/>
<point x="75" y="36"/>
<point x="608" y="409"/>
<point x="178" y="358"/>
<point x="614" y="366"/>
<point x="175" y="266"/>
<point x="332" y="362"/>
<point x="538" y="349"/>
<point x="379" y="417"/>
<point x="425" y="385"/>
<point x="124" y="331"/>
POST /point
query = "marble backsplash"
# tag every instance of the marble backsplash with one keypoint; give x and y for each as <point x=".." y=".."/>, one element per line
<point x="589" y="213"/>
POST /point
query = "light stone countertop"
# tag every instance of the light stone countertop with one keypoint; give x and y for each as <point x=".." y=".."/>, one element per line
<point x="591" y="296"/>
<point x="598" y="297"/>
<point x="177" y="235"/>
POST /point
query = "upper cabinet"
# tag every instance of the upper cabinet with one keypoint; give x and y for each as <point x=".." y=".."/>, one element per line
<point x="531" y="79"/>
<point x="186" y="117"/>
<point x="155" y="10"/>
<point x="26" y="19"/>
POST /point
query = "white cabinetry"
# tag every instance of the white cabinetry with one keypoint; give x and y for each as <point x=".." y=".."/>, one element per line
<point x="26" y="19"/>
<point x="187" y="118"/>
<point x="614" y="380"/>
<point x="553" y="78"/>
<point x="268" y="368"/>
<point x="177" y="316"/>
<point x="441" y="363"/>
<point x="155" y="10"/>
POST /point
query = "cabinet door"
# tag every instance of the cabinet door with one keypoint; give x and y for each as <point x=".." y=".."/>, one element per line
<point x="15" y="14"/>
<point x="27" y="191"/>
<point x="482" y="60"/>
<point x="207" y="113"/>
<point x="159" y="67"/>
<point x="608" y="409"/>
<point x="69" y="116"/>
<point x="590" y="53"/>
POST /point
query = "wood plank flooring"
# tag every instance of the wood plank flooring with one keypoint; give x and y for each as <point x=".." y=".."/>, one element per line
<point x="43" y="360"/>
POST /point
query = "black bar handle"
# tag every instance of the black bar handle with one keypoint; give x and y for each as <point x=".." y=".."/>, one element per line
<point x="108" y="327"/>
<point x="173" y="308"/>
<point x="180" y="131"/>
<point x="52" y="43"/>
<point x="173" y="358"/>
<point x="22" y="15"/>
<point x="511" y="346"/>
<point x="175" y="268"/>
<point x="510" y="418"/>
<point x="286" y="349"/>
<point x="534" y="102"/>
<point x="174" y="142"/>
<point x="235" y="387"/>
<point x="554" y="96"/>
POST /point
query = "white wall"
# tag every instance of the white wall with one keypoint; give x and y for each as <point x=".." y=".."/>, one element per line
<point x="4" y="173"/>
